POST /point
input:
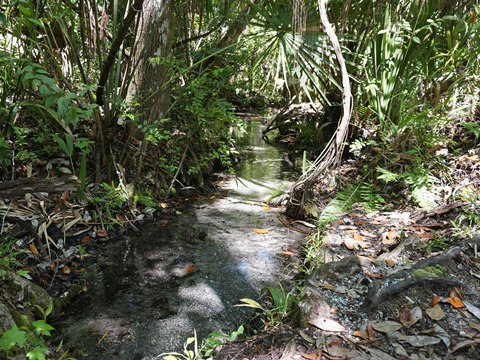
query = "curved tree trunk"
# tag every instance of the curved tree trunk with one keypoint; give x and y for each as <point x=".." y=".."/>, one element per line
<point x="331" y="156"/>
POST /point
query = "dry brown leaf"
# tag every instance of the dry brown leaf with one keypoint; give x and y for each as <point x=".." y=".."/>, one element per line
<point x="458" y="293"/>
<point x="358" y="237"/>
<point x="334" y="341"/>
<point x="455" y="301"/>
<point x="101" y="233"/>
<point x="191" y="268"/>
<point x="426" y="236"/>
<point x="34" y="249"/>
<point x="326" y="324"/>
<point x="352" y="244"/>
<point x="86" y="240"/>
<point x="436" y="312"/>
<point x="66" y="270"/>
<point x="313" y="356"/>
<point x="386" y="327"/>
<point x="410" y="317"/>
<point x="260" y="231"/>
<point x="370" y="330"/>
<point x="392" y="234"/>
<point x="375" y="275"/>
<point x="390" y="262"/>
<point x="435" y="299"/>
<point x="163" y="205"/>
<point x="361" y="334"/>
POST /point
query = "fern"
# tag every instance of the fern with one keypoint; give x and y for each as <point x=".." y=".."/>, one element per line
<point x="387" y="176"/>
<point x="364" y="194"/>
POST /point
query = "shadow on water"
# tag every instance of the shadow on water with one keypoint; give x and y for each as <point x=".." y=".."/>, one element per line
<point x="149" y="291"/>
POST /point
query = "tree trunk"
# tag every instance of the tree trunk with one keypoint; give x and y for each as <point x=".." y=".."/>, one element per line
<point x="331" y="156"/>
<point x="150" y="83"/>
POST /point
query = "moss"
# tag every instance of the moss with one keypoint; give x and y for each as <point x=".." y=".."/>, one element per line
<point x="430" y="271"/>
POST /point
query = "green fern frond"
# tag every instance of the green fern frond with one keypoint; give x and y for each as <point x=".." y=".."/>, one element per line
<point x="387" y="176"/>
<point x="365" y="194"/>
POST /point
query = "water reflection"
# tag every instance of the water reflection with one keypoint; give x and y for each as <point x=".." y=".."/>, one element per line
<point x="261" y="162"/>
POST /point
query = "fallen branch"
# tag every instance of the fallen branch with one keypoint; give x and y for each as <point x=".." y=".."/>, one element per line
<point x="24" y="186"/>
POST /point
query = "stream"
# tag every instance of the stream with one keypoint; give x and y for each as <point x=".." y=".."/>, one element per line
<point x="149" y="291"/>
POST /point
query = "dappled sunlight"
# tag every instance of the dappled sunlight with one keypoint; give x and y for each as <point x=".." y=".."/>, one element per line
<point x="201" y="299"/>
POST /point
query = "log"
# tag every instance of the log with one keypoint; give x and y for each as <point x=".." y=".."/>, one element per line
<point x="22" y="186"/>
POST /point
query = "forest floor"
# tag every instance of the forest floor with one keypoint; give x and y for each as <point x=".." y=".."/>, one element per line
<point x="397" y="284"/>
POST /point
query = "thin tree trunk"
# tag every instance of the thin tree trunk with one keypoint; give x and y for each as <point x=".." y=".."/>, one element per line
<point x="331" y="156"/>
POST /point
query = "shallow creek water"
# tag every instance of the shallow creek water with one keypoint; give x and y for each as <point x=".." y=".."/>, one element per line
<point x="150" y="290"/>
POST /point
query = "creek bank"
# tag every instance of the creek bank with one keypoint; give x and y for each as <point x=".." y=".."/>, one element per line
<point x="149" y="291"/>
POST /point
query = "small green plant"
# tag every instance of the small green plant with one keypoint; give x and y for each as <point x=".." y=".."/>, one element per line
<point x="436" y="244"/>
<point x="29" y="339"/>
<point x="277" y="305"/>
<point x="205" y="351"/>
<point x="8" y="255"/>
<point x="365" y="194"/>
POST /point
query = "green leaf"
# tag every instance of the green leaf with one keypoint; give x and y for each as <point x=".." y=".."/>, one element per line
<point x="170" y="357"/>
<point x="37" y="354"/>
<point x="65" y="145"/>
<point x="13" y="337"/>
<point x="387" y="176"/>
<point x="62" y="106"/>
<point x="250" y="303"/>
<point x="42" y="328"/>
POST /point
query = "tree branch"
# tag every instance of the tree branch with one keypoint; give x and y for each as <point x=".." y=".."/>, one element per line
<point x="117" y="42"/>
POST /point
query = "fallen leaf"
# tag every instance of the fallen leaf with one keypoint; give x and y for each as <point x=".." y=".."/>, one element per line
<point x="426" y="236"/>
<point x="86" y="240"/>
<point x="442" y="334"/>
<point x="458" y="293"/>
<point x="260" y="231"/>
<point x="375" y="275"/>
<point x="436" y="312"/>
<point x="386" y="327"/>
<point x="422" y="340"/>
<point x="163" y="205"/>
<point x="190" y="268"/>
<point x="474" y="325"/>
<point x="358" y="237"/>
<point x="352" y="244"/>
<point x="472" y="309"/>
<point x="101" y="233"/>
<point x="370" y="331"/>
<point x="66" y="270"/>
<point x="306" y="337"/>
<point x="334" y="341"/>
<point x="435" y="299"/>
<point x="410" y="317"/>
<point x="326" y="324"/>
<point x="455" y="301"/>
<point x="390" y="262"/>
<point x="313" y="356"/>
<point x="34" y="249"/>
<point x="361" y="334"/>
<point x="389" y="237"/>
<point x="326" y="285"/>
<point x="266" y="208"/>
